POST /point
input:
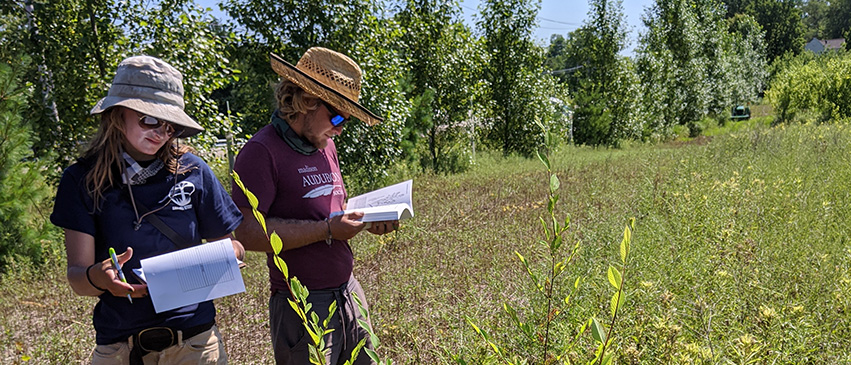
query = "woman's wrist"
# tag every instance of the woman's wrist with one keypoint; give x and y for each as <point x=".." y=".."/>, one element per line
<point x="89" y="277"/>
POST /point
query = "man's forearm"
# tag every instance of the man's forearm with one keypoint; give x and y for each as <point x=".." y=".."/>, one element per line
<point x="293" y="233"/>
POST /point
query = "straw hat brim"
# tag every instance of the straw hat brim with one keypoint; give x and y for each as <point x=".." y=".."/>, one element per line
<point x="322" y="91"/>
<point x="167" y="112"/>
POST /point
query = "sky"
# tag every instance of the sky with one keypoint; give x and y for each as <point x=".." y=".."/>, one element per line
<point x="555" y="17"/>
<point x="563" y="16"/>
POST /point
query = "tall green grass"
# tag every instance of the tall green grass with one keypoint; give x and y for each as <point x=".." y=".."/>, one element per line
<point x="740" y="254"/>
<point x="740" y="250"/>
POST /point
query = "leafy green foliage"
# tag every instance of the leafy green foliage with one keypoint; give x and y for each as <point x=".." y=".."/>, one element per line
<point x="601" y="78"/>
<point x="75" y="46"/>
<point x="781" y="20"/>
<point x="512" y="71"/>
<point x="441" y="57"/>
<point x="357" y="29"/>
<point x="815" y="88"/>
<point x="838" y="22"/>
<point x="693" y="64"/>
<point x="816" y="13"/>
<point x="542" y="338"/>
<point x="24" y="194"/>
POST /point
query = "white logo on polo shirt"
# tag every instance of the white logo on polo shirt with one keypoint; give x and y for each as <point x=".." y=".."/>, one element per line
<point x="181" y="195"/>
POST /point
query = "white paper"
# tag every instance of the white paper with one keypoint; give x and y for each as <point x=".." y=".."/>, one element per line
<point x="192" y="275"/>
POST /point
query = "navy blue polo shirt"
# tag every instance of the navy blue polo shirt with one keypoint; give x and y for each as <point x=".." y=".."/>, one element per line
<point x="196" y="206"/>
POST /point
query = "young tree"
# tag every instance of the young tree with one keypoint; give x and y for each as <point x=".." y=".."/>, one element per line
<point x="602" y="84"/>
<point x="669" y="65"/>
<point x="24" y="191"/>
<point x="512" y="69"/>
<point x="64" y="75"/>
<point x="440" y="55"/>
<point x="781" y="20"/>
<point x="747" y="67"/>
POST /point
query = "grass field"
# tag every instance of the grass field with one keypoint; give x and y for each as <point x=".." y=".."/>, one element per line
<point x="740" y="254"/>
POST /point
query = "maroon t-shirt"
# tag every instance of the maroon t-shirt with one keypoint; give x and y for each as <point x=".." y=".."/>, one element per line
<point x="290" y="185"/>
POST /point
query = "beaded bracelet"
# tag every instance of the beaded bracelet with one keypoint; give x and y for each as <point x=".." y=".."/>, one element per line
<point x="90" y="278"/>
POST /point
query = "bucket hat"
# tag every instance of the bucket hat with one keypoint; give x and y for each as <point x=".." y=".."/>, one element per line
<point x="330" y="76"/>
<point x="152" y="87"/>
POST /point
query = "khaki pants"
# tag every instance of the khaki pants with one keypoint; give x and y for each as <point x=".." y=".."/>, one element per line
<point x="205" y="348"/>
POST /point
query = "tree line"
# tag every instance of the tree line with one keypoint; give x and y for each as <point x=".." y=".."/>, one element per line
<point x="443" y="87"/>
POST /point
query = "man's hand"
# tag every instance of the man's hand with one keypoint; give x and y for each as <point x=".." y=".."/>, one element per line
<point x="346" y="226"/>
<point x="383" y="227"/>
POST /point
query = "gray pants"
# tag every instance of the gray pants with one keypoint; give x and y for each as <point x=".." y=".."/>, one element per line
<point x="290" y="340"/>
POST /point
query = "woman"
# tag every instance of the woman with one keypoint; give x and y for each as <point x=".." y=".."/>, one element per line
<point x="135" y="189"/>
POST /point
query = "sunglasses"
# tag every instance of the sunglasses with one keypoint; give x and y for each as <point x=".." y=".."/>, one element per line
<point x="337" y="120"/>
<point x="148" y="122"/>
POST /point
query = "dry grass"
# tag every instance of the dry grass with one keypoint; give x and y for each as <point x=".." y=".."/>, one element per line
<point x="740" y="256"/>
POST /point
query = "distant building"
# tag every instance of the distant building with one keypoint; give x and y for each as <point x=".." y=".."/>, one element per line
<point x="818" y="46"/>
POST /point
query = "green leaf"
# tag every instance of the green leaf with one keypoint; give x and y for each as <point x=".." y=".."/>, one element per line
<point x="282" y="266"/>
<point x="372" y="355"/>
<point x="544" y="226"/>
<point x="598" y="332"/>
<point x="556" y="244"/>
<point x="615" y="277"/>
<point x="529" y="271"/>
<point x="554" y="183"/>
<point x="544" y="159"/>
<point x="277" y="243"/>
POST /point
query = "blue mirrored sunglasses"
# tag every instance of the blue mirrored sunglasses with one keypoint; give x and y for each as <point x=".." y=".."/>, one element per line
<point x="337" y="120"/>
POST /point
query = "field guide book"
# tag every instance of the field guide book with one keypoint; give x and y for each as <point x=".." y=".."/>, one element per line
<point x="386" y="204"/>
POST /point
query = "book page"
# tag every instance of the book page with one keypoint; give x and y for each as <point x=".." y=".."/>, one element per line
<point x="394" y="194"/>
<point x="192" y="275"/>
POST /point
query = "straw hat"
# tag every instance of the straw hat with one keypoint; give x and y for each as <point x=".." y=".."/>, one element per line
<point x="330" y="76"/>
<point x="152" y="87"/>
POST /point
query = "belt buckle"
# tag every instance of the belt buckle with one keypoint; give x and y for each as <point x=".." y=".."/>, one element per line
<point x="156" y="339"/>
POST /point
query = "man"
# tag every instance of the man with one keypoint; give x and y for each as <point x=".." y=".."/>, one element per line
<point x="291" y="165"/>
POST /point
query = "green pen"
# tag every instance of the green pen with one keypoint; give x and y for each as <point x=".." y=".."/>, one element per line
<point x="118" y="268"/>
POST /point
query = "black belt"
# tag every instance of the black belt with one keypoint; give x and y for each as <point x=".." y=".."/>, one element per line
<point x="156" y="339"/>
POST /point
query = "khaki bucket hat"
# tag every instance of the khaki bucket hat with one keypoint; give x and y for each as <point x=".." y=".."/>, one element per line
<point x="152" y="87"/>
<point x="330" y="76"/>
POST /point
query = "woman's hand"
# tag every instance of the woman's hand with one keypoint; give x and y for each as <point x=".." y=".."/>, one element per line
<point x="105" y="276"/>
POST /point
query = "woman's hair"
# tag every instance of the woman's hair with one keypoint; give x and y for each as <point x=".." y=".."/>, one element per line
<point x="104" y="151"/>
<point x="293" y="100"/>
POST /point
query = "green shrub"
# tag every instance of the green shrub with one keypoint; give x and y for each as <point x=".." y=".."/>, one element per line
<point x="810" y="89"/>
<point x="23" y="191"/>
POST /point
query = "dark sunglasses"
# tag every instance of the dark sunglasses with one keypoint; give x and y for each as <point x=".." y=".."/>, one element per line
<point x="148" y="122"/>
<point x="337" y="120"/>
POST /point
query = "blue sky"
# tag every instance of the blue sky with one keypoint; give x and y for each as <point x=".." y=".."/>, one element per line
<point x="563" y="16"/>
<point x="555" y="17"/>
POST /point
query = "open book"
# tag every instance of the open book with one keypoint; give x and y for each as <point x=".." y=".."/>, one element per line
<point x="386" y="204"/>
